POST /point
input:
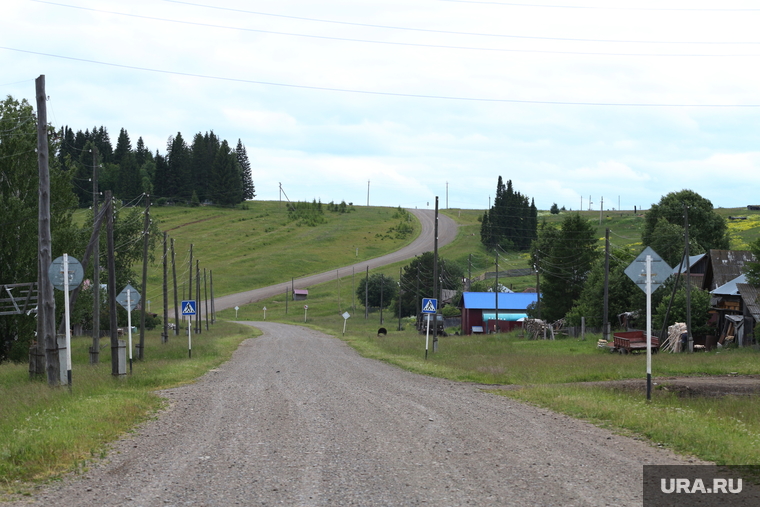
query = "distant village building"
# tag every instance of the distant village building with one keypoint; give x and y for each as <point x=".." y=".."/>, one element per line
<point x="487" y="311"/>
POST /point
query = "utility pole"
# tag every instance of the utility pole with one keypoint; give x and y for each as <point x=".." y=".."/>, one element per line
<point x="690" y="338"/>
<point x="496" y="292"/>
<point x="198" y="297"/>
<point x="47" y="345"/>
<point x="469" y="271"/>
<point x="382" y="279"/>
<point x="399" y="298"/>
<point x="211" y="282"/>
<point x="435" y="274"/>
<point x="605" y="319"/>
<point x="146" y="232"/>
<point x="367" y="193"/>
<point x="205" y="296"/>
<point x="95" y="350"/>
<point x="366" y="295"/>
<point x="601" y="208"/>
<point x="165" y="334"/>
<point x="176" y="302"/>
<point x="112" y="288"/>
<point x="538" y="289"/>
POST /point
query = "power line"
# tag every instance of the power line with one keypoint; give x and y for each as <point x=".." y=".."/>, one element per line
<point x="379" y="93"/>
<point x="454" y="32"/>
<point x="394" y="43"/>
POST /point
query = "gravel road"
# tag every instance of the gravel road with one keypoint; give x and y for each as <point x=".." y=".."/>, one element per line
<point x="298" y="418"/>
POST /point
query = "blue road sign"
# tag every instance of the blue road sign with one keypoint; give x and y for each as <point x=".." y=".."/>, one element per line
<point x="188" y="307"/>
<point x="429" y="305"/>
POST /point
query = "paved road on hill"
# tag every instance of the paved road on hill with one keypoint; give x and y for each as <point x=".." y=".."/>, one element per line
<point x="447" y="232"/>
<point x="297" y="417"/>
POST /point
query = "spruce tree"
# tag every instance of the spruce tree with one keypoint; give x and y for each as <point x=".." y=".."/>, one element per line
<point x="246" y="178"/>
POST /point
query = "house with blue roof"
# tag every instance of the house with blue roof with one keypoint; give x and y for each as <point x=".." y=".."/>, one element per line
<point x="488" y="311"/>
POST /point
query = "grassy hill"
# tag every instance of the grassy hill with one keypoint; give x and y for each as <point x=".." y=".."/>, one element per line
<point x="262" y="245"/>
<point x="259" y="246"/>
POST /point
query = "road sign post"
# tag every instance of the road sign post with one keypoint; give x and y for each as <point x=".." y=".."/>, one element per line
<point x="128" y="298"/>
<point x="188" y="308"/>
<point x="429" y="306"/>
<point x="305" y="309"/>
<point x="346" y="316"/>
<point x="66" y="273"/>
<point x="651" y="283"/>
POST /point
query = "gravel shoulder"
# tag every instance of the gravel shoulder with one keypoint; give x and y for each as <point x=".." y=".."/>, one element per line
<point x="299" y="418"/>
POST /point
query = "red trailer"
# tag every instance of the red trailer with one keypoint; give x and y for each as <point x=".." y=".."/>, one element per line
<point x="631" y="341"/>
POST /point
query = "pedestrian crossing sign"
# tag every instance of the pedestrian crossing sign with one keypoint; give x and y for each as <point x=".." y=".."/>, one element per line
<point x="429" y="305"/>
<point x="188" y="307"/>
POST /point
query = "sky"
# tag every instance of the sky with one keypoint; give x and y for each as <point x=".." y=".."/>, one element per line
<point x="589" y="104"/>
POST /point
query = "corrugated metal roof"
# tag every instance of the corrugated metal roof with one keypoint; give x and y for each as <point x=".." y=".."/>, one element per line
<point x="693" y="259"/>
<point x="507" y="300"/>
<point x="751" y="301"/>
<point x="730" y="288"/>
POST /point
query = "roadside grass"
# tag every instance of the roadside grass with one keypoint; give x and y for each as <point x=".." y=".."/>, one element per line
<point x="45" y="431"/>
<point x="724" y="430"/>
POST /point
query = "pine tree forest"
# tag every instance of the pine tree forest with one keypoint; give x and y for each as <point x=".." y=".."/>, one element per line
<point x="204" y="170"/>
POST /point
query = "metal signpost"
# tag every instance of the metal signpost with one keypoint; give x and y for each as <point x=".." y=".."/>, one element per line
<point x="265" y="313"/>
<point x="651" y="282"/>
<point x="429" y="306"/>
<point x="346" y="315"/>
<point x="236" y="310"/>
<point x="188" y="308"/>
<point x="305" y="309"/>
<point x="66" y="273"/>
<point x="128" y="298"/>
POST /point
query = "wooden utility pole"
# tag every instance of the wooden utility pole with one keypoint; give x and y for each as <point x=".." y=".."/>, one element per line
<point x="95" y="349"/>
<point x="435" y="255"/>
<point x="112" y="287"/>
<point x="165" y="334"/>
<point x="435" y="275"/>
<point x="205" y="296"/>
<point x="382" y="279"/>
<point x="198" y="297"/>
<point x="144" y="301"/>
<point x="399" y="298"/>
<point x="689" y="337"/>
<point x="605" y="317"/>
<point x="496" y="292"/>
<point x="176" y="302"/>
<point x="366" y="295"/>
<point x="47" y="345"/>
<point x="538" y="288"/>
<point x="211" y="282"/>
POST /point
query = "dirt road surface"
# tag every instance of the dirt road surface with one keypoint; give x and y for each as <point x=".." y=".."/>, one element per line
<point x="447" y="232"/>
<point x="299" y="418"/>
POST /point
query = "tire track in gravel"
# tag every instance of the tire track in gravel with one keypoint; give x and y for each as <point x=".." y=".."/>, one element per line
<point x="297" y="417"/>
